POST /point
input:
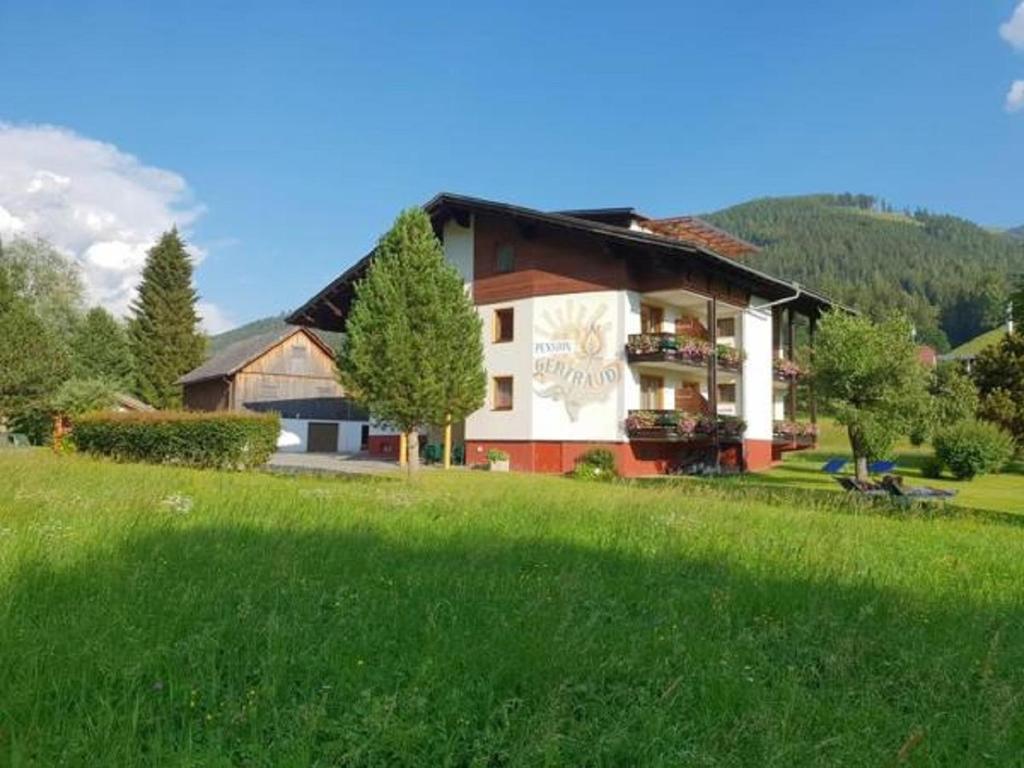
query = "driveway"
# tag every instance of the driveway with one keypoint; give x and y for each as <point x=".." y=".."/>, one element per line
<point x="331" y="463"/>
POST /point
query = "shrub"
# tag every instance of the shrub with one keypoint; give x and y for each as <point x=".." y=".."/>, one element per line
<point x="220" y="440"/>
<point x="495" y="455"/>
<point x="972" y="448"/>
<point x="596" y="464"/>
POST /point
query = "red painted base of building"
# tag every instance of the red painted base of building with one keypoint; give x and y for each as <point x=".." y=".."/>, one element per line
<point x="634" y="459"/>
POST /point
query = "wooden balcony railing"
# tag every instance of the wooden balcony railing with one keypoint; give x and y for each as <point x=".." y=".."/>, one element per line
<point x="683" y="426"/>
<point x="685" y="350"/>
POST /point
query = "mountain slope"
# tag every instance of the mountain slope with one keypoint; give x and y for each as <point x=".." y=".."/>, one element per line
<point x="949" y="275"/>
<point x="1016" y="233"/>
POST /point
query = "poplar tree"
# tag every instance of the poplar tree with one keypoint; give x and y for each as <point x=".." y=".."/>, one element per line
<point x="413" y="353"/>
<point x="164" y="331"/>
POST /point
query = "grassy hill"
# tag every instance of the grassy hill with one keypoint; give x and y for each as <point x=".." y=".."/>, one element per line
<point x="950" y="275"/>
<point x="980" y="342"/>
<point x="163" y="616"/>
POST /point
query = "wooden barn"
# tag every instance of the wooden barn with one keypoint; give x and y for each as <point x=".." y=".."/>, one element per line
<point x="290" y="371"/>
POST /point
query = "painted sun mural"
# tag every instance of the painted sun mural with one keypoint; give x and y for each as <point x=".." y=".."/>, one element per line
<point x="573" y="362"/>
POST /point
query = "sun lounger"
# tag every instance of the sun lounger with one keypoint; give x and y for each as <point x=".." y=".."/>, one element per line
<point x="881" y="467"/>
<point x="833" y="466"/>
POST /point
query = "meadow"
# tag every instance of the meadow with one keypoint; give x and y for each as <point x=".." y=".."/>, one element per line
<point x="996" y="493"/>
<point x="168" y="617"/>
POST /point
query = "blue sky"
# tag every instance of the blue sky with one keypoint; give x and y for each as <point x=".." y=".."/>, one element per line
<point x="295" y="132"/>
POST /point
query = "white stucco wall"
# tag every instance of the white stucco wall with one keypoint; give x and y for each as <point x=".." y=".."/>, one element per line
<point x="756" y="391"/>
<point x="513" y="359"/>
<point x="458" y="248"/>
<point x="294" y="437"/>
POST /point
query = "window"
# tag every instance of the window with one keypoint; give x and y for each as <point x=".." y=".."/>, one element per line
<point x="727" y="327"/>
<point x="506" y="258"/>
<point x="503" y="325"/>
<point x="651" y="318"/>
<point x="726" y="394"/>
<point x="502" y="393"/>
<point x="651" y="388"/>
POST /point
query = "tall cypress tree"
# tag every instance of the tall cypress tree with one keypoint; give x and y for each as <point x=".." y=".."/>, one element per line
<point x="413" y="352"/>
<point x="165" y="337"/>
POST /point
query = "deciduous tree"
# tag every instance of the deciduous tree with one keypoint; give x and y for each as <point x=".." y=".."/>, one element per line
<point x="869" y="376"/>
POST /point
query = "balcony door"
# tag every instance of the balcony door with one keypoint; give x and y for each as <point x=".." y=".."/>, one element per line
<point x="651" y="393"/>
<point x="651" y="318"/>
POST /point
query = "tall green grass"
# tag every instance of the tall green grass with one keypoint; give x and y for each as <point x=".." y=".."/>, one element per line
<point x="156" y="616"/>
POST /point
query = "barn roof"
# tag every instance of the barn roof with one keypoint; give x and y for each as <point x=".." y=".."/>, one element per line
<point x="235" y="357"/>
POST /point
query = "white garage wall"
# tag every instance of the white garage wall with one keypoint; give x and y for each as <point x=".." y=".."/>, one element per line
<point x="294" y="437"/>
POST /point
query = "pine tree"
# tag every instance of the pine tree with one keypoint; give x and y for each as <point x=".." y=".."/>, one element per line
<point x="100" y="349"/>
<point x="413" y="353"/>
<point x="164" y="331"/>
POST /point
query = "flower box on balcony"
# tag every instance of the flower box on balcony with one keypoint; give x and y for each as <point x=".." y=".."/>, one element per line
<point x="803" y="433"/>
<point x="682" y="426"/>
<point x="787" y="370"/>
<point x="686" y="350"/>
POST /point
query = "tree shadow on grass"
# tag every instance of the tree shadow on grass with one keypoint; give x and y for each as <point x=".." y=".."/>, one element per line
<point x="246" y="646"/>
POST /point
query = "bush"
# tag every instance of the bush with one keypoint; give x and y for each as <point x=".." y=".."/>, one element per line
<point x="596" y="464"/>
<point x="219" y="440"/>
<point x="495" y="455"/>
<point x="972" y="448"/>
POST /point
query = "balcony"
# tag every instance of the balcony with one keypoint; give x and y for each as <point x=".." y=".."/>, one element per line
<point x="795" y="433"/>
<point x="681" y="426"/>
<point x="683" y="350"/>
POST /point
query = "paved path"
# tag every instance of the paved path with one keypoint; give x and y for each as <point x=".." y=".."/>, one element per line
<point x="332" y="463"/>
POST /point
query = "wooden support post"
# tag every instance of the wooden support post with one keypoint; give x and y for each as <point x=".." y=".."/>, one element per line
<point x="448" y="443"/>
<point x="403" y="449"/>
<point x="713" y="375"/>
<point x="790" y="354"/>
<point x="810" y="385"/>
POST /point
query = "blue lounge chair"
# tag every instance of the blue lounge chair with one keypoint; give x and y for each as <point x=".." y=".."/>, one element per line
<point x="833" y="466"/>
<point x="881" y="467"/>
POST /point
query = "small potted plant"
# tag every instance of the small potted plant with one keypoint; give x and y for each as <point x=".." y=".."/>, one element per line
<point x="497" y="461"/>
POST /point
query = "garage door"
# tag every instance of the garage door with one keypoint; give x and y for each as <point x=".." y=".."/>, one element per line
<point x="323" y="438"/>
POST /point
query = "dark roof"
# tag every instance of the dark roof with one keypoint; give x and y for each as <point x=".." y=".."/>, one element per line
<point x="236" y="356"/>
<point x="339" y="293"/>
<point x="620" y="217"/>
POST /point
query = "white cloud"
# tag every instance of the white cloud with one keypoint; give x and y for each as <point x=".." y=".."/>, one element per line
<point x="1013" y="30"/>
<point x="1015" y="97"/>
<point x="214" y="319"/>
<point x="100" y="205"/>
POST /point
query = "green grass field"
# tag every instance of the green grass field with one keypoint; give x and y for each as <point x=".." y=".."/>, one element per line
<point x="998" y="494"/>
<point x="168" y="617"/>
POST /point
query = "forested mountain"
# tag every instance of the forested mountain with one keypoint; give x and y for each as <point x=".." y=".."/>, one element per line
<point x="949" y="275"/>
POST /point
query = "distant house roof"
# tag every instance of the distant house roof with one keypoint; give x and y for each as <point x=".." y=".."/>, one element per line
<point x="238" y="355"/>
<point x="128" y="403"/>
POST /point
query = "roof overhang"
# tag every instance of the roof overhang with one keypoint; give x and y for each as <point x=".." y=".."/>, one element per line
<point x="329" y="307"/>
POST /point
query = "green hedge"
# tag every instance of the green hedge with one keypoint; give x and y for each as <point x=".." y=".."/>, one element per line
<point x="220" y="440"/>
<point x="972" y="448"/>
